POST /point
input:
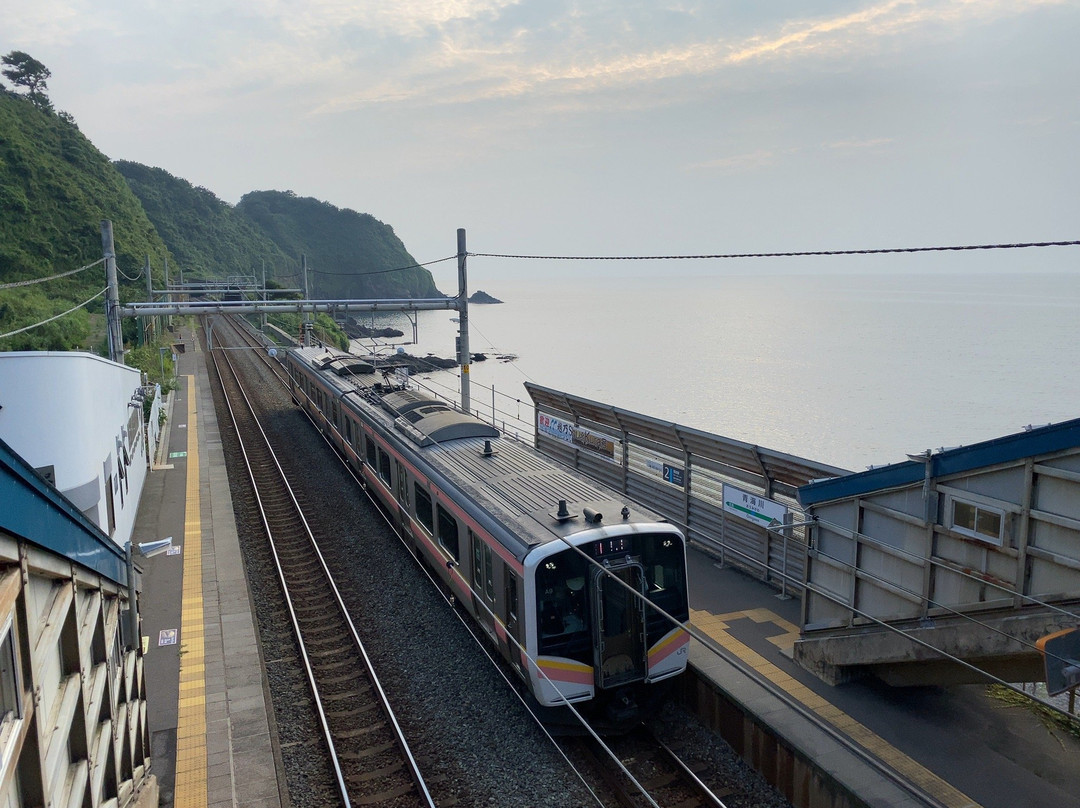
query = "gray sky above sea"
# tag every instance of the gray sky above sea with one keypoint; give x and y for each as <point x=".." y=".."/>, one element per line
<point x="566" y="127"/>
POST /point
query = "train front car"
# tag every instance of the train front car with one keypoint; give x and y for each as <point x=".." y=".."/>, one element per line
<point x="607" y="601"/>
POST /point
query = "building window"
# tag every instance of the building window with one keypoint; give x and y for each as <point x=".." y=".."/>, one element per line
<point x="10" y="702"/>
<point x="977" y="521"/>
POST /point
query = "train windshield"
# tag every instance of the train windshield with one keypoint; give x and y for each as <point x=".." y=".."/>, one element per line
<point x="565" y="584"/>
<point x="665" y="577"/>
<point x="562" y="604"/>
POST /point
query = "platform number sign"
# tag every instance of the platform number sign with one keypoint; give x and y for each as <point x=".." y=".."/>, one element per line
<point x="675" y="475"/>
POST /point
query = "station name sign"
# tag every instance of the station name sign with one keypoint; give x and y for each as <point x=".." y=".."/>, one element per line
<point x="753" y="507"/>
<point x="577" y="436"/>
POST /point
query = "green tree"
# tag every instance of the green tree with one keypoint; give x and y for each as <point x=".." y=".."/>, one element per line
<point x="23" y="70"/>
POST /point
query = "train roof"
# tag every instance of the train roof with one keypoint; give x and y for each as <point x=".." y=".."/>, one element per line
<point x="509" y="480"/>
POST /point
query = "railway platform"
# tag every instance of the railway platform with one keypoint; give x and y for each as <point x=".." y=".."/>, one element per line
<point x="956" y="743"/>
<point x="209" y="713"/>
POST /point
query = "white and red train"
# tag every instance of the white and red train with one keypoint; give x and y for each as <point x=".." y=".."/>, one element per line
<point x="566" y="578"/>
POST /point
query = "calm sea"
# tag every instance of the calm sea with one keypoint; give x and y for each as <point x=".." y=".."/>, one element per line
<point x="850" y="370"/>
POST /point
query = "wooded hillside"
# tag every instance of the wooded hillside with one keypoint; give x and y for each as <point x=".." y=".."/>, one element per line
<point x="206" y="236"/>
<point x="56" y="187"/>
<point x="349" y="254"/>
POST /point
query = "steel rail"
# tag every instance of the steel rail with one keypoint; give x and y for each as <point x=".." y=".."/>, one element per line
<point x="688" y="773"/>
<point x="448" y="598"/>
<point x="309" y="672"/>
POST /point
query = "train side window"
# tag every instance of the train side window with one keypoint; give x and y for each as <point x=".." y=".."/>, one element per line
<point x="489" y="576"/>
<point x="478" y="561"/>
<point x="448" y="532"/>
<point x="511" y="595"/>
<point x="348" y="431"/>
<point x="482" y="574"/>
<point x="423" y="508"/>
<point x="384" y="466"/>
<point x="403" y="486"/>
<point x="370" y="451"/>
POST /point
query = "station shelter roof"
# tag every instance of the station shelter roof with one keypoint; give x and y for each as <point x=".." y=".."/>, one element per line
<point x="35" y="511"/>
<point x="1031" y="442"/>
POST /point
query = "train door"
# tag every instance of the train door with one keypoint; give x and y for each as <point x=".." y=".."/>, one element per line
<point x="403" y="497"/>
<point x="619" y="630"/>
<point x="513" y="623"/>
<point x="483" y="583"/>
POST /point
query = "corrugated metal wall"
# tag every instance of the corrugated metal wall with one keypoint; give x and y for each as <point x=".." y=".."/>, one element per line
<point x="645" y="446"/>
<point x="74" y="728"/>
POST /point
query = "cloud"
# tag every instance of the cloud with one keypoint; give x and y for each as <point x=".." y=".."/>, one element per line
<point x="859" y="145"/>
<point x="339" y="56"/>
<point x="466" y="67"/>
<point x="741" y="162"/>
<point x="760" y="158"/>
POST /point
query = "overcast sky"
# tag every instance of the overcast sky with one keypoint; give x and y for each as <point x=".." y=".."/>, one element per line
<point x="600" y="127"/>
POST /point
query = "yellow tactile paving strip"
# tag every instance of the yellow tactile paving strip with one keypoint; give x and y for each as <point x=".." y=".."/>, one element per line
<point x="716" y="626"/>
<point x="191" y="720"/>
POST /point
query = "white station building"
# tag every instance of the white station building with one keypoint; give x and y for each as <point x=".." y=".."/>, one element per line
<point x="77" y="419"/>
<point x="73" y="719"/>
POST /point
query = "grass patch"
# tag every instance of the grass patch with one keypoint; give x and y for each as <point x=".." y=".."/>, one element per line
<point x="1050" y="718"/>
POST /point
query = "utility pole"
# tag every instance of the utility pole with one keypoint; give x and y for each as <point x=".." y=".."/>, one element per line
<point x="463" y="328"/>
<point x="112" y="296"/>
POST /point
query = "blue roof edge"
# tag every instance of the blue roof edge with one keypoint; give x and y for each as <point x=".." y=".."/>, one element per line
<point x="35" y="511"/>
<point x="1038" y="441"/>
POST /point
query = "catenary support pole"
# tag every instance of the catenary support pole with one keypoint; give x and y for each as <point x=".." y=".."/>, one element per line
<point x="112" y="296"/>
<point x="305" y="338"/>
<point x="148" y="324"/>
<point x="262" y="319"/>
<point x="463" y="316"/>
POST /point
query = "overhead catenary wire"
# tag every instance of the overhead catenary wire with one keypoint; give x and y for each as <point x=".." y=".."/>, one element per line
<point x="15" y="284"/>
<point x="381" y="271"/>
<point x="128" y="276"/>
<point x="57" y="317"/>
<point x="792" y="254"/>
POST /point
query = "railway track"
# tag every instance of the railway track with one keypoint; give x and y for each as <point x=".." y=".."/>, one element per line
<point x="641" y="771"/>
<point x="656" y="769"/>
<point x="370" y="758"/>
